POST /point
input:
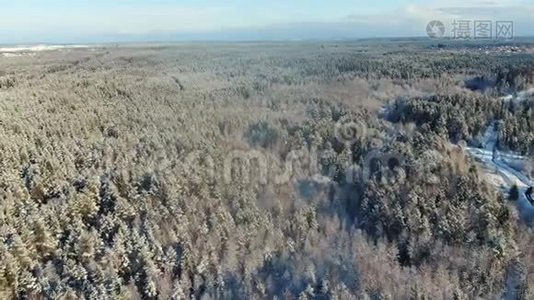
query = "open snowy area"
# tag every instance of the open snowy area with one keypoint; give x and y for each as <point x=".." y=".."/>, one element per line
<point x="31" y="50"/>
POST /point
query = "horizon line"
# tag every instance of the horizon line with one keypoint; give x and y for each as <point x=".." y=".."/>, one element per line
<point x="244" y="41"/>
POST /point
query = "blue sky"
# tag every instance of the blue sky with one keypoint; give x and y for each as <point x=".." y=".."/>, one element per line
<point x="135" y="20"/>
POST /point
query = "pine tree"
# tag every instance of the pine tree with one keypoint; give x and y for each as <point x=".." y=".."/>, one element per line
<point x="513" y="195"/>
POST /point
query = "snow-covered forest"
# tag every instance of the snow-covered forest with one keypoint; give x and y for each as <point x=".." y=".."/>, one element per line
<point x="302" y="170"/>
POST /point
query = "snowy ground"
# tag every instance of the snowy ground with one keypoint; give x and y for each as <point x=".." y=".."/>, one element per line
<point x="520" y="96"/>
<point x="16" y="51"/>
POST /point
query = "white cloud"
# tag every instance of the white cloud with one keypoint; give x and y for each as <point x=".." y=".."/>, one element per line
<point x="190" y="21"/>
<point x="413" y="18"/>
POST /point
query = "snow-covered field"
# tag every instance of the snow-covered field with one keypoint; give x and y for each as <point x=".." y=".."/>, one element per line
<point x="16" y="51"/>
<point x="38" y="48"/>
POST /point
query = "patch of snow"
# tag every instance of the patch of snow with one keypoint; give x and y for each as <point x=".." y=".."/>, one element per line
<point x="39" y="48"/>
<point x="523" y="95"/>
<point x="11" y="54"/>
<point x="519" y="96"/>
<point x="490" y="137"/>
<point x="507" y="97"/>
